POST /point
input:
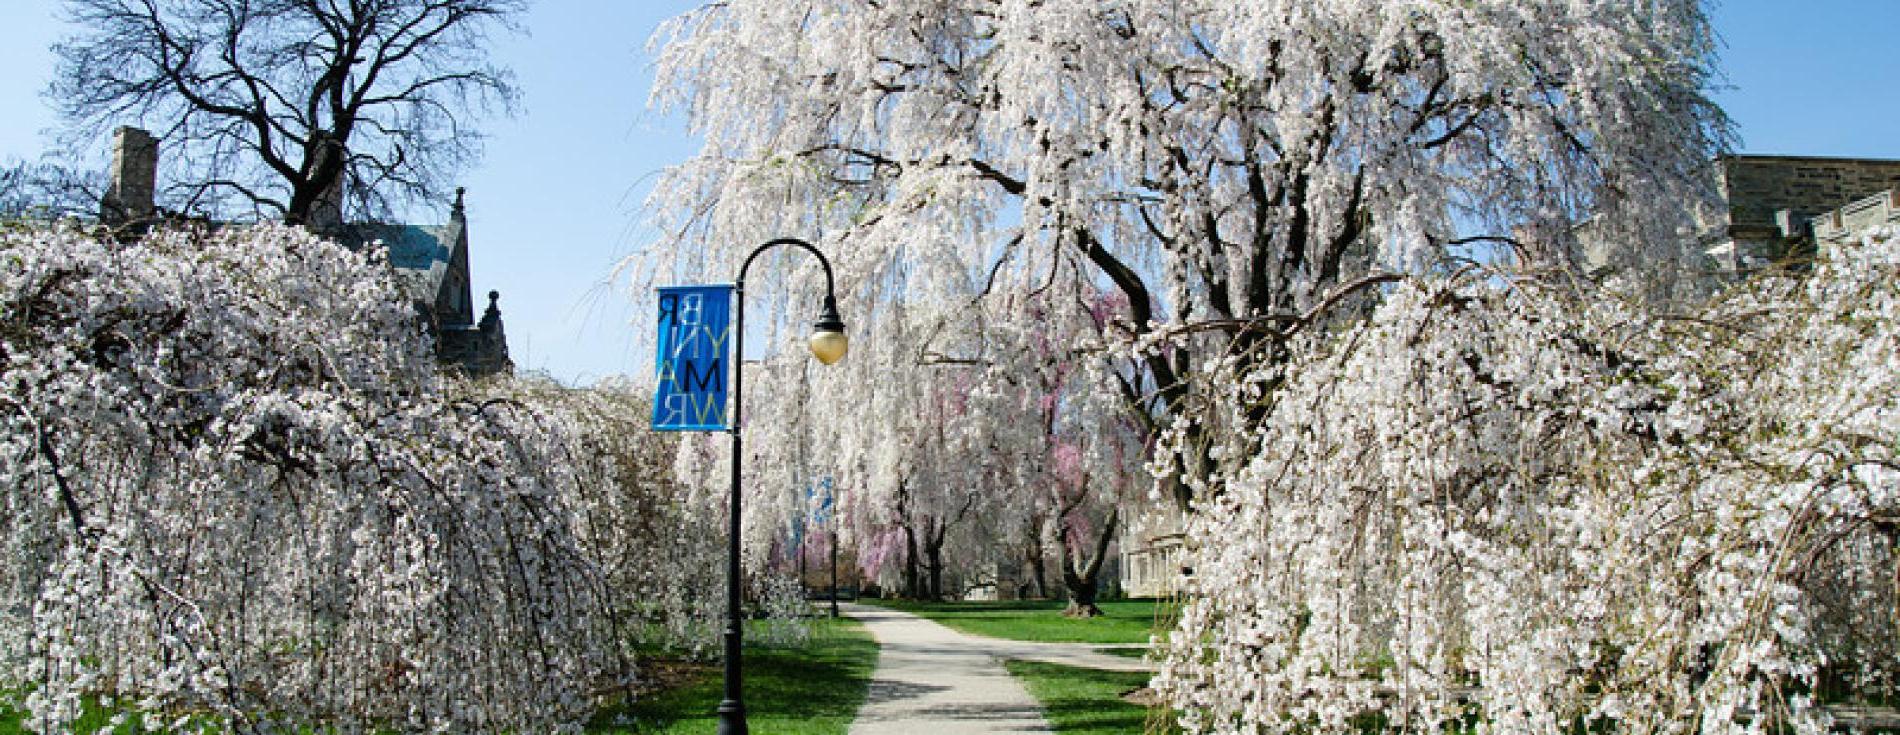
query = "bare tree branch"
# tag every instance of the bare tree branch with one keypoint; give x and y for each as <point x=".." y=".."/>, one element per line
<point x="252" y="94"/>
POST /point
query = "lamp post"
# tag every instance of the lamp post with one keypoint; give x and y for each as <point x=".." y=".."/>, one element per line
<point x="828" y="344"/>
<point x="834" y="573"/>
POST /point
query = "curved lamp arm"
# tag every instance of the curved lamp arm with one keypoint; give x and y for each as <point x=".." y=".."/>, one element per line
<point x="760" y="250"/>
<point x="828" y="342"/>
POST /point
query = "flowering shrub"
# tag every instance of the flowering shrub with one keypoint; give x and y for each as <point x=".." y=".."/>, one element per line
<point x="657" y="544"/>
<point x="1515" y="509"/>
<point x="237" y="492"/>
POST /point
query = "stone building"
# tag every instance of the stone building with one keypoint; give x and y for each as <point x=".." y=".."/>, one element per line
<point x="1766" y="207"/>
<point x="1844" y="224"/>
<point x="1153" y="547"/>
<point x="1771" y="202"/>
<point x="430" y="261"/>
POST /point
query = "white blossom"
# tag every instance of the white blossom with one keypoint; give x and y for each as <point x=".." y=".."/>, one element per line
<point x="237" y="492"/>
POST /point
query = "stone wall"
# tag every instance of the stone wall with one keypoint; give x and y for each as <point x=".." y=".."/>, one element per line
<point x="476" y="350"/>
<point x="1757" y="187"/>
<point x="1849" y="222"/>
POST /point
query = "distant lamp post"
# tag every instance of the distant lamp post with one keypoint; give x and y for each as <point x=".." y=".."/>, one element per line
<point x="828" y="344"/>
<point x="834" y="573"/>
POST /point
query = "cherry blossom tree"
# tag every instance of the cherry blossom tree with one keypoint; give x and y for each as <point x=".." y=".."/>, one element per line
<point x="238" y="495"/>
<point x="955" y="438"/>
<point x="1436" y="480"/>
<point x="910" y="467"/>
<point x="1081" y="450"/>
<point x="1499" y="503"/>
<point x="1241" y="166"/>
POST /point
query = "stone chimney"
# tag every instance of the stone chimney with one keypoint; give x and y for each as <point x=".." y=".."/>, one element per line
<point x="326" y="214"/>
<point x="129" y="197"/>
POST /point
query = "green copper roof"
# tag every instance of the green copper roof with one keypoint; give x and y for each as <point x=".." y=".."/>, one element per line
<point x="411" y="247"/>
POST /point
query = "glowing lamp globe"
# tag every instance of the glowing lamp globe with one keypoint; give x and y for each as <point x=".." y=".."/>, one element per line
<point x="828" y="342"/>
<point x="829" y="347"/>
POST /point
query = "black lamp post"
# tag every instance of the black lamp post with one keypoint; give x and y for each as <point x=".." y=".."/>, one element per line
<point x="828" y="344"/>
<point x="834" y="573"/>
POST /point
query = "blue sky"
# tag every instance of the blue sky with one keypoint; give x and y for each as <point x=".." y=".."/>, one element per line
<point x="554" y="203"/>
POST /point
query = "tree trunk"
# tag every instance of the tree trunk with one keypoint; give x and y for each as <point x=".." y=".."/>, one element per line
<point x="933" y="558"/>
<point x="1035" y="559"/>
<point x="1083" y="582"/>
<point x="1079" y="583"/>
<point x="910" y="563"/>
<point x="1082" y="591"/>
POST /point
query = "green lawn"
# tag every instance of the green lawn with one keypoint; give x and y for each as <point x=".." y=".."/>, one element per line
<point x="10" y="719"/>
<point x="1088" y="701"/>
<point x="1125" y="621"/>
<point x="814" y="690"/>
<point x="93" y="719"/>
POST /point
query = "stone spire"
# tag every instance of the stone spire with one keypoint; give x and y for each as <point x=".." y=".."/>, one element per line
<point x="491" y="317"/>
<point x="493" y="357"/>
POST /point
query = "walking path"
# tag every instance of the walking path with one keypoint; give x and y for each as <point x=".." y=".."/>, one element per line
<point x="931" y="679"/>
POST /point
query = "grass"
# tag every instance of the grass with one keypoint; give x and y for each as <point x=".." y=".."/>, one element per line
<point x="1124" y="621"/>
<point x="810" y="690"/>
<point x="92" y="718"/>
<point x="813" y="690"/>
<point x="1080" y="701"/>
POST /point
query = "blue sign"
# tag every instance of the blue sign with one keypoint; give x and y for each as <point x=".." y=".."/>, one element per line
<point x="695" y="336"/>
<point x="818" y="515"/>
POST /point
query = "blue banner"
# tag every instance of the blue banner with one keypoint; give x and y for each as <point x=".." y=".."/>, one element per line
<point x="818" y="515"/>
<point x="695" y="337"/>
